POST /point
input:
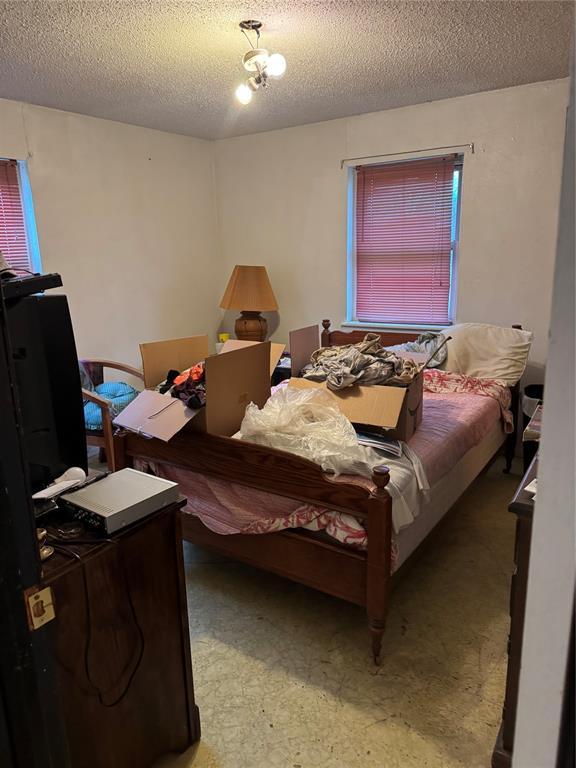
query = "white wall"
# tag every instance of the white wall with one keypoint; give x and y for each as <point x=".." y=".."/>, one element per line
<point x="282" y="202"/>
<point x="127" y="216"/>
<point x="550" y="598"/>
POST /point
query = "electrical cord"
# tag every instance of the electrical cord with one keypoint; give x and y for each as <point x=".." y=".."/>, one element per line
<point x="140" y="636"/>
<point x="75" y="556"/>
<point x="60" y="546"/>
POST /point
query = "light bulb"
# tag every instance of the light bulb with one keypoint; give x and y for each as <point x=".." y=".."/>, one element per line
<point x="276" y="65"/>
<point x="244" y="94"/>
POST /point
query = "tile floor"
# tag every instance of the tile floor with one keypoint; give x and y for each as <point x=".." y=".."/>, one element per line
<point x="283" y="674"/>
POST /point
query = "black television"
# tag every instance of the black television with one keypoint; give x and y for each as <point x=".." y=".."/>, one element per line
<point x="48" y="379"/>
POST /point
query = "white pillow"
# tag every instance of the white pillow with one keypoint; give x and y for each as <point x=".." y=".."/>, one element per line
<point x="488" y="351"/>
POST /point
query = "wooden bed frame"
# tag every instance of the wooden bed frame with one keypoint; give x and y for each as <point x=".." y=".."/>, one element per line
<point x="363" y="578"/>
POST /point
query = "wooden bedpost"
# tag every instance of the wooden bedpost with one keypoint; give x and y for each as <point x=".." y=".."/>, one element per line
<point x="325" y="336"/>
<point x="512" y="438"/>
<point x="379" y="559"/>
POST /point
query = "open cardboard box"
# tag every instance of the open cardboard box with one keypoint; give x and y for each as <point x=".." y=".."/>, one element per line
<point x="238" y="375"/>
<point x="158" y="357"/>
<point x="393" y="411"/>
<point x="276" y="350"/>
<point x="303" y="342"/>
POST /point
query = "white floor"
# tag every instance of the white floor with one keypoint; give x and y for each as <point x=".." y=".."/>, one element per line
<point x="283" y="674"/>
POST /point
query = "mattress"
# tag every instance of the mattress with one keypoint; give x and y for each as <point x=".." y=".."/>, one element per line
<point x="458" y="435"/>
<point x="446" y="491"/>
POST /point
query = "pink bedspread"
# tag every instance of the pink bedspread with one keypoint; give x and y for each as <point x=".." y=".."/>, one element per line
<point x="451" y="425"/>
<point x="457" y="414"/>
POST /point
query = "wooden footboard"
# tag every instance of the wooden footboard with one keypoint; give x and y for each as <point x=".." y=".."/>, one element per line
<point x="318" y="564"/>
<point x="358" y="577"/>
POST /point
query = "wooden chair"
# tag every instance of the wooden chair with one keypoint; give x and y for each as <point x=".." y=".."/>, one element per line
<point x="103" y="438"/>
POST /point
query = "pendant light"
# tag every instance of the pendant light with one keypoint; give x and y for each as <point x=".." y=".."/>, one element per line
<point x="259" y="63"/>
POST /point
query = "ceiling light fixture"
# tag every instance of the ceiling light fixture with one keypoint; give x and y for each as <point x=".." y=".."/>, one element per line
<point x="259" y="63"/>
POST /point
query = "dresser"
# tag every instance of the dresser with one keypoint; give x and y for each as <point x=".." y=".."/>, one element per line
<point x="522" y="506"/>
<point x="122" y="645"/>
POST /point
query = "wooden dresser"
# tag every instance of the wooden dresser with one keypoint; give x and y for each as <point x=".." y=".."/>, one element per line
<point x="122" y="645"/>
<point x="522" y="505"/>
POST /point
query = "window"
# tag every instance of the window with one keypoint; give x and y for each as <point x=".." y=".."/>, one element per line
<point x="403" y="242"/>
<point x="18" y="238"/>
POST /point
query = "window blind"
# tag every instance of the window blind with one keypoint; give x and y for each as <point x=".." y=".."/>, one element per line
<point x="13" y="240"/>
<point x="403" y="240"/>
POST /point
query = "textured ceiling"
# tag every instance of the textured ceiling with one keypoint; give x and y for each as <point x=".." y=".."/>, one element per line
<point x="175" y="65"/>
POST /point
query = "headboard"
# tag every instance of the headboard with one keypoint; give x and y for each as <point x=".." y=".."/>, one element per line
<point x="336" y="338"/>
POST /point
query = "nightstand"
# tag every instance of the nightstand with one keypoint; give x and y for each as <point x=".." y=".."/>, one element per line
<point x="522" y="505"/>
<point x="122" y="646"/>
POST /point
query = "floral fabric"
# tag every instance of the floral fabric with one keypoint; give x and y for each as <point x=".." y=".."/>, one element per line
<point x="459" y="383"/>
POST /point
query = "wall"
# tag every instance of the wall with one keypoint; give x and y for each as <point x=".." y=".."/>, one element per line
<point x="282" y="202"/>
<point x="550" y="598"/>
<point x="127" y="216"/>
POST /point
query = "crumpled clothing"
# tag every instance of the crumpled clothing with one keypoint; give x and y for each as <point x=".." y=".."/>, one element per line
<point x="190" y="387"/>
<point x="196" y="373"/>
<point x="367" y="362"/>
<point x="168" y="382"/>
<point x="408" y="486"/>
<point x="427" y="344"/>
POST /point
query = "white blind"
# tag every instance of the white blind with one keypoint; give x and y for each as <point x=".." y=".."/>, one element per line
<point x="403" y="241"/>
<point x="13" y="239"/>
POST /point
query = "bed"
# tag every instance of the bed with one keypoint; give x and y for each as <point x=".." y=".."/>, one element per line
<point x="358" y="574"/>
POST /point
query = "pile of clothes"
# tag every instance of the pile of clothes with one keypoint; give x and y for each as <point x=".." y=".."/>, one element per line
<point x="190" y="386"/>
<point x="367" y="362"/>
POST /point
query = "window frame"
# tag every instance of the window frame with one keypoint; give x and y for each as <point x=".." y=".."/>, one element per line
<point x="352" y="320"/>
<point x="28" y="213"/>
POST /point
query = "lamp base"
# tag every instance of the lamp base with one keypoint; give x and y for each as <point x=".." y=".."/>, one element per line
<point x="251" y="326"/>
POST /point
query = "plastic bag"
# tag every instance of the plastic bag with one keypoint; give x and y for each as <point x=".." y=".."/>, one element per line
<point x="309" y="424"/>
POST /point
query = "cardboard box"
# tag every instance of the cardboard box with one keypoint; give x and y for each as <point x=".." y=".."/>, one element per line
<point x="238" y="375"/>
<point x="303" y="342"/>
<point x="276" y="350"/>
<point x="233" y="379"/>
<point x="158" y="357"/>
<point x="393" y="411"/>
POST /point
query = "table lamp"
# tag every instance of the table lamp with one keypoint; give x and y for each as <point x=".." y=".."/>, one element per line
<point x="249" y="290"/>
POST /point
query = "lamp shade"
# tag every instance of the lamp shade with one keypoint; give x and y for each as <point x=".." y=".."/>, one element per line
<point x="249" y="290"/>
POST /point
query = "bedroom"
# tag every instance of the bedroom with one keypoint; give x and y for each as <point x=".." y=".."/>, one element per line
<point x="145" y="182"/>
